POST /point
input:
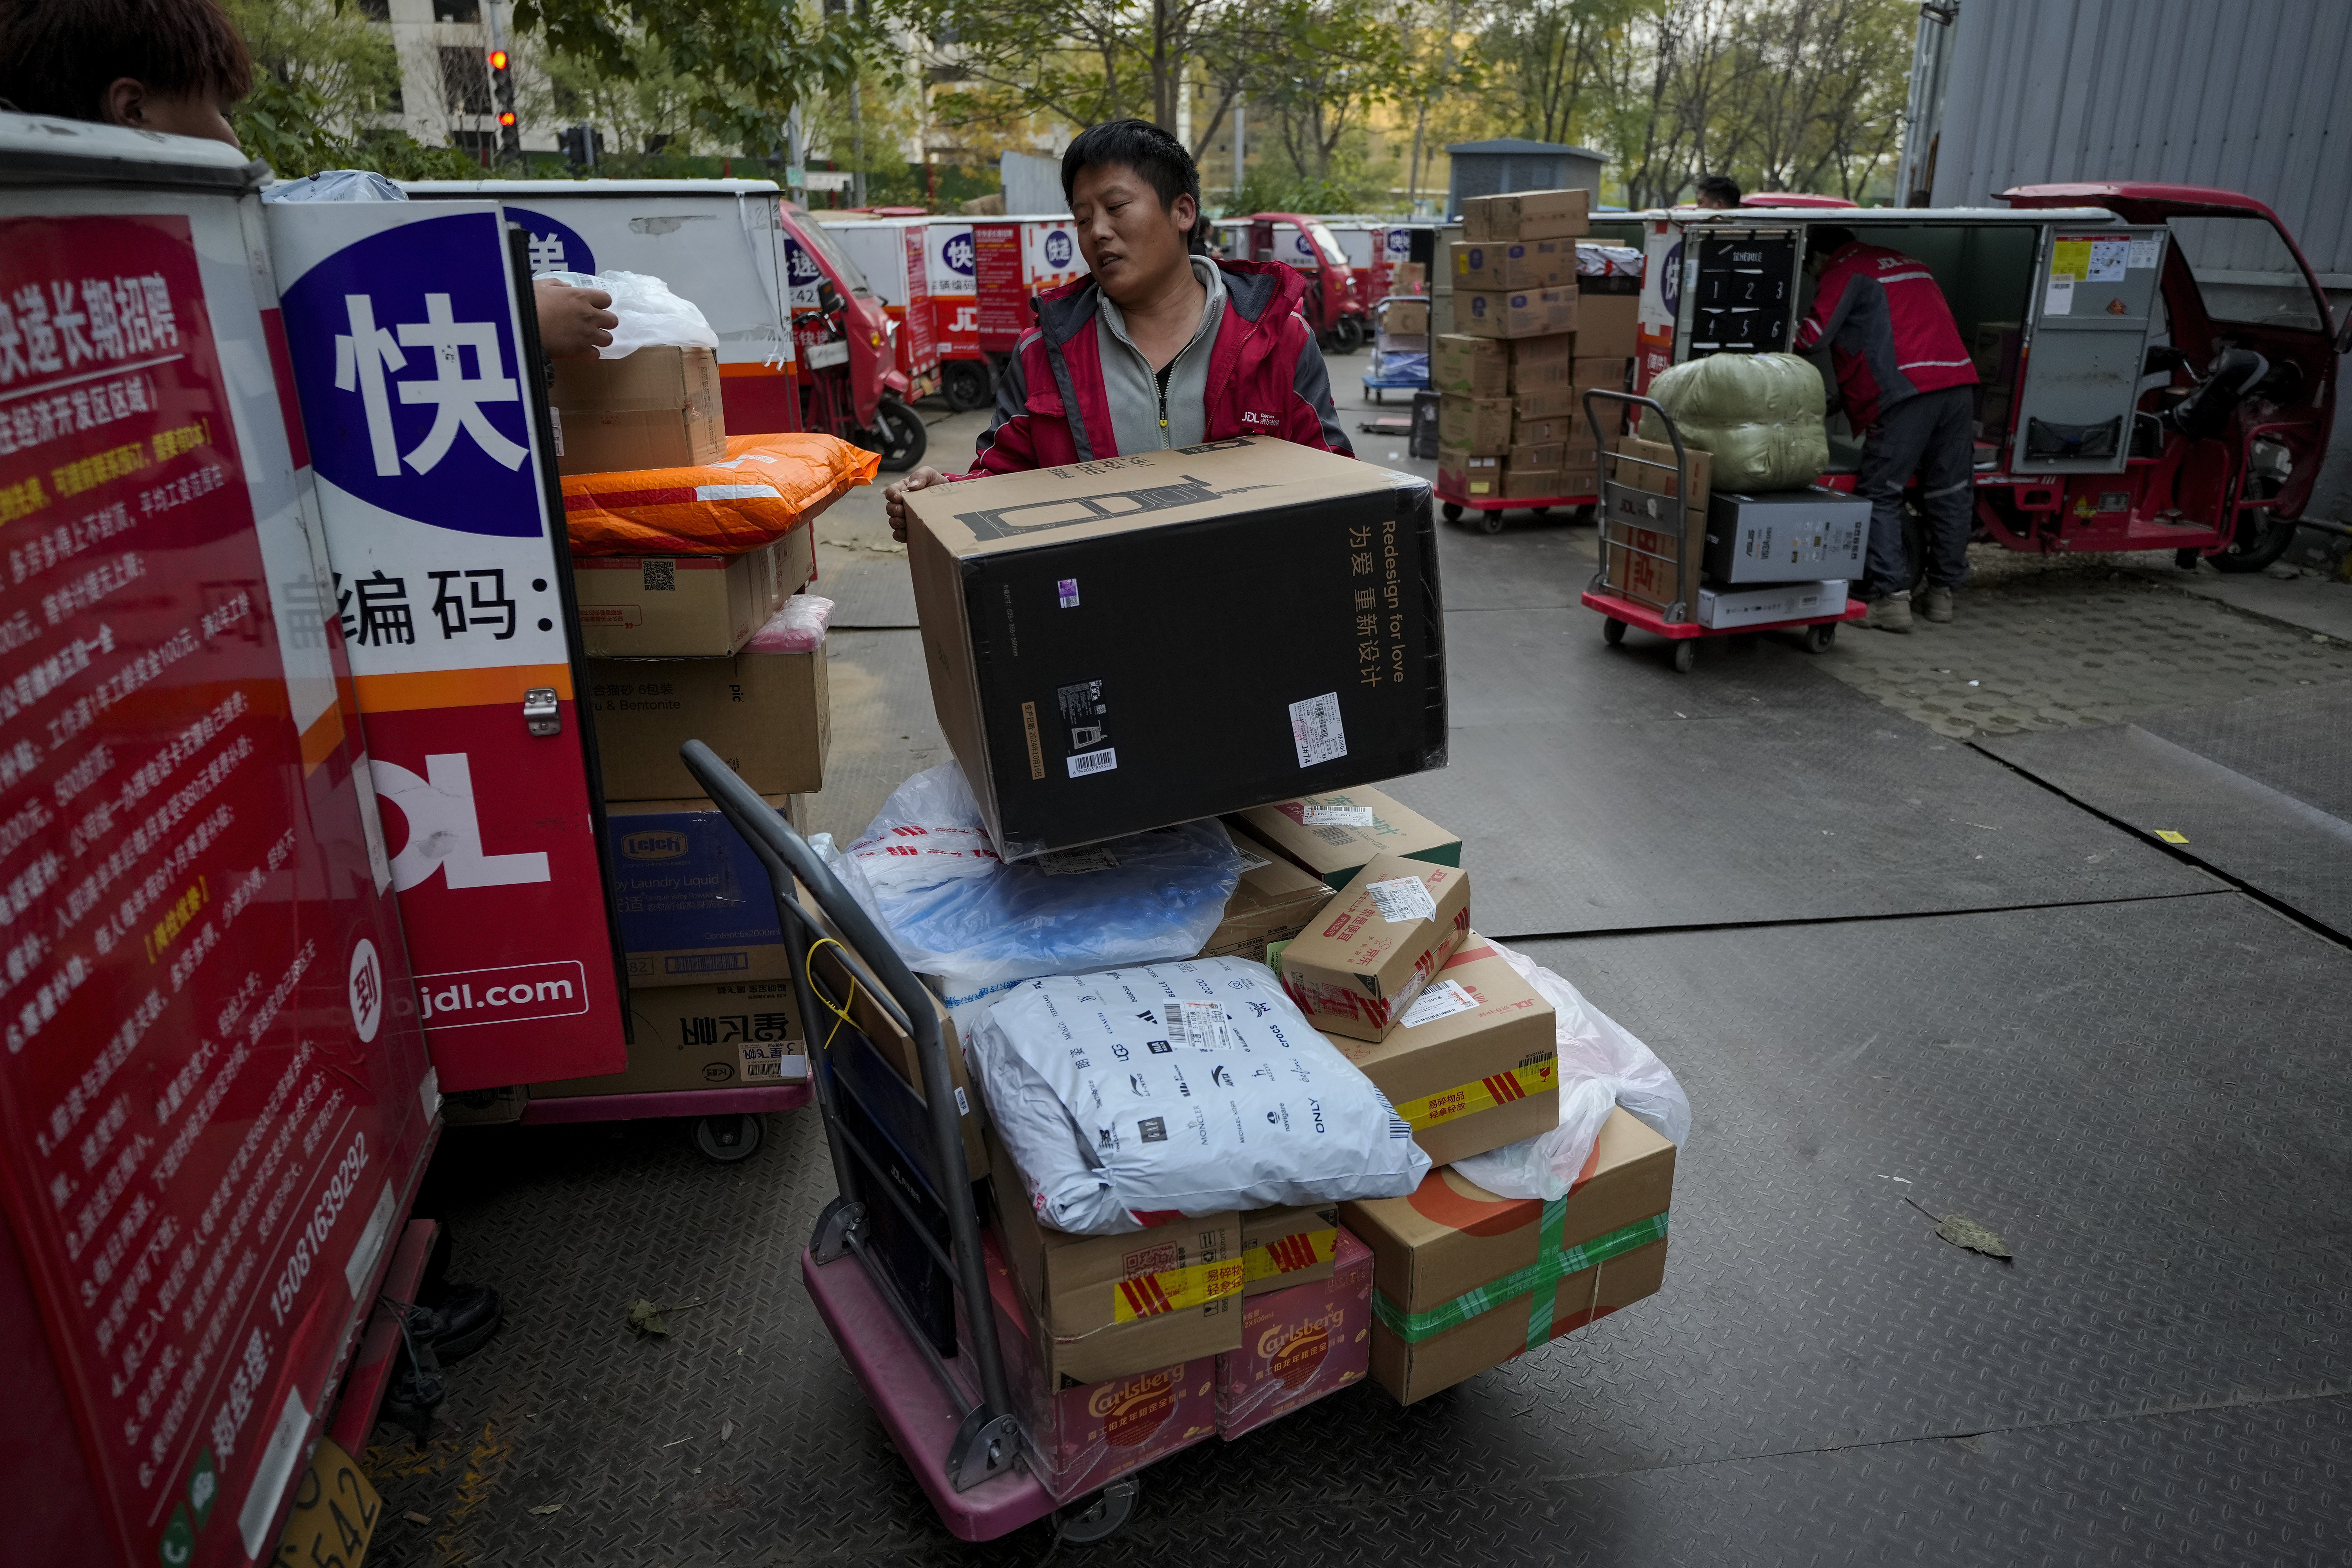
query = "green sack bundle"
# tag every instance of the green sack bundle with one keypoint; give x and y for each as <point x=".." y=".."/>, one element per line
<point x="1758" y="414"/>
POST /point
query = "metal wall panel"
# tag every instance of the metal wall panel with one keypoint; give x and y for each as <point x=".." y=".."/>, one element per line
<point x="2251" y="95"/>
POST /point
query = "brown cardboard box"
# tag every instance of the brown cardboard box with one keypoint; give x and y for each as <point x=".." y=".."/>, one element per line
<point x="1298" y="1343"/>
<point x="1607" y="326"/>
<point x="1505" y="266"/>
<point x="1273" y="901"/>
<point x="1548" y="403"/>
<point x="1405" y="320"/>
<point x="1479" y="426"/>
<point x="687" y="606"/>
<point x="1473" y="367"/>
<point x="1475" y="1065"/>
<point x="1600" y="371"/>
<point x="1354" y="971"/>
<point x="766" y="714"/>
<point x="1081" y="1436"/>
<point x="1108" y="1306"/>
<point x="1522" y="313"/>
<point x="1533" y="484"/>
<point x="1527" y="214"/>
<point x="1542" y="374"/>
<point x="893" y="1044"/>
<point x="1528" y="457"/>
<point x="703" y="1037"/>
<point x="1554" y="431"/>
<point x="1462" y="474"/>
<point x="1452" y="1237"/>
<point x="695" y="904"/>
<point x="1634" y="529"/>
<point x="655" y="409"/>
<point x="1286" y="1246"/>
<point x="1407" y="278"/>
<point x="1336" y="851"/>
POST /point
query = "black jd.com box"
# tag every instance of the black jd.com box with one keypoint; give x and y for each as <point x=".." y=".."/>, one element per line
<point x="1120" y="645"/>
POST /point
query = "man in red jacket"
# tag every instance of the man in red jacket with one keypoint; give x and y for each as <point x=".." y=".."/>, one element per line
<point x="1905" y="377"/>
<point x="1159" y="345"/>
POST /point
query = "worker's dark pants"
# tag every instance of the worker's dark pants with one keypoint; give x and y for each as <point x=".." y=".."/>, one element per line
<point x="1932" y="435"/>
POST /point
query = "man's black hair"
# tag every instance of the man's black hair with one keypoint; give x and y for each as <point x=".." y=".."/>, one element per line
<point x="1824" y="238"/>
<point x="1139" y="145"/>
<point x="1719" y="188"/>
<point x="59" y="56"/>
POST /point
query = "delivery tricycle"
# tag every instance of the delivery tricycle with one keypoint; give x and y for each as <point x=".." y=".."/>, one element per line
<point x="1332" y="307"/>
<point x="2156" y="362"/>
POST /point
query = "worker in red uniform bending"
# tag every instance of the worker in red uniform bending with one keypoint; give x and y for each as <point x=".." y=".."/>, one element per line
<point x="1159" y="345"/>
<point x="1904" y="377"/>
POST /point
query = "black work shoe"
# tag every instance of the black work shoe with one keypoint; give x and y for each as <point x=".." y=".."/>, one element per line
<point x="470" y="1315"/>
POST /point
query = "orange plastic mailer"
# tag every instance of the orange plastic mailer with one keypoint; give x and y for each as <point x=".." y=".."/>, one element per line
<point x="768" y="486"/>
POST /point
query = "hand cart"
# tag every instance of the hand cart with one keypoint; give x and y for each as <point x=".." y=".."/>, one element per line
<point x="1627" y="510"/>
<point x="1400" y="359"/>
<point x="906" y="1203"/>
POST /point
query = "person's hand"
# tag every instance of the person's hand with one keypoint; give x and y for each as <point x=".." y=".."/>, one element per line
<point x="895" y="498"/>
<point x="574" y="323"/>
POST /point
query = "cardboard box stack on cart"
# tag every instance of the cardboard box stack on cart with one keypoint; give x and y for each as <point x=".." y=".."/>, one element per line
<point x="711" y="1002"/>
<point x="1072" y="731"/>
<point x="1537" y="317"/>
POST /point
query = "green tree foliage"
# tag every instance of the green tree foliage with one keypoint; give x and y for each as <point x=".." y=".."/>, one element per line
<point x="319" y="67"/>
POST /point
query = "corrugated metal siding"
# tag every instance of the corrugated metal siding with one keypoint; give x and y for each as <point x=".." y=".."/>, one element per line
<point x="2252" y="96"/>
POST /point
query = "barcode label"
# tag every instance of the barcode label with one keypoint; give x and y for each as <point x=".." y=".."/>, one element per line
<point x="1101" y="762"/>
<point x="1076" y="862"/>
<point x="1197" y="1025"/>
<point x="1445" y="999"/>
<point x="777" y="1062"/>
<point x="660" y="576"/>
<point x="1315" y="729"/>
<point x="1250" y="862"/>
<point x="1401" y="899"/>
<point x="1337" y="837"/>
<point x="1338" y="817"/>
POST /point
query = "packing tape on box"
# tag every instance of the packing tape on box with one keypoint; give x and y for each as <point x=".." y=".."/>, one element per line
<point x="1175" y="1289"/>
<point x="1541" y="1277"/>
<point x="1482" y="1094"/>
<point x="1303" y="1250"/>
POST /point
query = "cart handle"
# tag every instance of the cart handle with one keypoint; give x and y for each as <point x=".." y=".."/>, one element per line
<point x="787" y="856"/>
<point x="1611" y="486"/>
<point x="1635" y="400"/>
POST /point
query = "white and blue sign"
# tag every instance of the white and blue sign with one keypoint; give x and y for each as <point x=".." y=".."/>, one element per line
<point x="1060" y="249"/>
<point x="1399" y="244"/>
<point x="1670" y="281"/>
<point x="801" y="275"/>
<point x="554" y="246"/>
<point x="958" y="253"/>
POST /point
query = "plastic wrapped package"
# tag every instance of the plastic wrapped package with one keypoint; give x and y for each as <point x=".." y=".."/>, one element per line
<point x="1601" y="1066"/>
<point x="766" y="487"/>
<point x="798" y="627"/>
<point x="651" y="316"/>
<point x="1758" y="414"/>
<point x="1187" y="1088"/>
<point x="926" y="870"/>
<point x="335" y="185"/>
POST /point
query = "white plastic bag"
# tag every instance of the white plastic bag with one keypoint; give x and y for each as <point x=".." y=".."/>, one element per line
<point x="651" y="316"/>
<point x="1601" y="1066"/>
<point x="798" y="627"/>
<point x="335" y="185"/>
<point x="926" y="871"/>
<point x="1194" y="1087"/>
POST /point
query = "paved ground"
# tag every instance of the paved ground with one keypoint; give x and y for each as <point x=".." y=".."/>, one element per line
<point x="2143" y="1093"/>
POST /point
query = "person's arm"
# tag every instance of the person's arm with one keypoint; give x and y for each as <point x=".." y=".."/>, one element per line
<point x="1831" y="307"/>
<point x="1313" y="420"/>
<point x="1007" y="447"/>
<point x="574" y="323"/>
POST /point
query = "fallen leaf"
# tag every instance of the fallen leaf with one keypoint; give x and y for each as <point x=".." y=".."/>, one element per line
<point x="726" y="1430"/>
<point x="416" y="1518"/>
<point x="547" y="1509"/>
<point x="647" y="1318"/>
<point x="1962" y="1231"/>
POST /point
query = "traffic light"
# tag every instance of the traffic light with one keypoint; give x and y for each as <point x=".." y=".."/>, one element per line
<point x="503" y="94"/>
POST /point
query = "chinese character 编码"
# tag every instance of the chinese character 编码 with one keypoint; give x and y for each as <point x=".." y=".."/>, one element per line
<point x="383" y="615"/>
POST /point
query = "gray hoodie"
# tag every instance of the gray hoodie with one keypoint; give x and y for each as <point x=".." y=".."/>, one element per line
<point x="1133" y="387"/>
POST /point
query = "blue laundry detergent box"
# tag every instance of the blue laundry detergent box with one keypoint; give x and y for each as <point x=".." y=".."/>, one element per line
<point x="695" y="903"/>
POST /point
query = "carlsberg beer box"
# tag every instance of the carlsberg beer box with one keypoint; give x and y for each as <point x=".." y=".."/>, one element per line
<point x="1120" y="645"/>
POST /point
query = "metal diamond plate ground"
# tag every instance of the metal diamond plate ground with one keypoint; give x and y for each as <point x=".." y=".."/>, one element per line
<point x="2161" y="1376"/>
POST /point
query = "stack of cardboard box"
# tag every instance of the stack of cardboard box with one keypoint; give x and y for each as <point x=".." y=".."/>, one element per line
<point x="711" y="999"/>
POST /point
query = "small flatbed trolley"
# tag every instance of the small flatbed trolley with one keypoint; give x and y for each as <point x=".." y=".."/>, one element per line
<point x="896" y="1267"/>
<point x="1400" y="359"/>
<point x="1639" y="525"/>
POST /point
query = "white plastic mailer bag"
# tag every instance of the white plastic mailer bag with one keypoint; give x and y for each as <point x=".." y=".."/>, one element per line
<point x="1191" y="1088"/>
<point x="651" y="315"/>
<point x="1601" y="1065"/>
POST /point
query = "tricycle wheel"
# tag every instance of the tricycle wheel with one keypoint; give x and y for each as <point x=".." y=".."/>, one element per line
<point x="1818" y="638"/>
<point x="1099" y="1516"/>
<point x="1492" y="521"/>
<point x="2253" y="555"/>
<point x="724" y="1140"/>
<point x="1612" y="631"/>
<point x="1685" y="654"/>
<point x="966" y="384"/>
<point x="1347" y="335"/>
<point x="1452" y="511"/>
<point x="898" y="434"/>
<point x="2187" y="560"/>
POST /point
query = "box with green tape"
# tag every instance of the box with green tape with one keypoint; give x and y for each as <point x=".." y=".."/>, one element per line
<point x="1336" y="835"/>
<point x="1463" y="1280"/>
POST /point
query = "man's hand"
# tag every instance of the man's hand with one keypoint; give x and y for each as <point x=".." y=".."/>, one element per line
<point x="895" y="498"/>
<point x="574" y="323"/>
